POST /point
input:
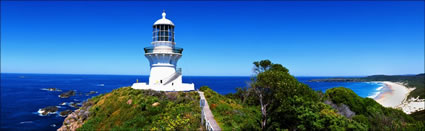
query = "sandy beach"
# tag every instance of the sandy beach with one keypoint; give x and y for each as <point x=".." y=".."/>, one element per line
<point x="397" y="98"/>
<point x="394" y="97"/>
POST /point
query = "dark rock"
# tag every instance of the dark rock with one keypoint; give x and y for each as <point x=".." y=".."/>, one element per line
<point x="65" y="113"/>
<point x="51" y="89"/>
<point x="341" y="108"/>
<point x="75" y="105"/>
<point x="49" y="109"/>
<point x="91" y="93"/>
<point x="67" y="94"/>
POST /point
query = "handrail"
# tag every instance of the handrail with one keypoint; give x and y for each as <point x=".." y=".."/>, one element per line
<point x="210" y="123"/>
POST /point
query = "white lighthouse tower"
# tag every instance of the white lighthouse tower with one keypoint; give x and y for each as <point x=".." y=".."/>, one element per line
<point x="163" y="57"/>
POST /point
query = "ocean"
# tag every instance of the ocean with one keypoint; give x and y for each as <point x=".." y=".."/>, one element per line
<point x="22" y="95"/>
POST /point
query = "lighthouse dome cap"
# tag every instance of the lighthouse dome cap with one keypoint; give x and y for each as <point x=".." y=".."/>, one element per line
<point x="163" y="20"/>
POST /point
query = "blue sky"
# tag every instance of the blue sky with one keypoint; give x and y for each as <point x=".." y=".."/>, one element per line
<point x="219" y="38"/>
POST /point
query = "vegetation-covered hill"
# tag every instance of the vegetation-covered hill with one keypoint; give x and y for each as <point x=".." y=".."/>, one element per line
<point x="282" y="102"/>
<point x="129" y="109"/>
<point x="419" y="115"/>
<point x="275" y="100"/>
<point x="369" y="112"/>
<point x="232" y="114"/>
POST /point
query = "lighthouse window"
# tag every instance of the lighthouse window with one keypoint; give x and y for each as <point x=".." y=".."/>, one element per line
<point x="163" y="33"/>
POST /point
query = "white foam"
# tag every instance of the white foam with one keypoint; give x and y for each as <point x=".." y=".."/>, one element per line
<point x="40" y="112"/>
<point x="100" y="85"/>
<point x="379" y="88"/>
<point x="25" y="122"/>
<point x="47" y="89"/>
<point x="374" y="95"/>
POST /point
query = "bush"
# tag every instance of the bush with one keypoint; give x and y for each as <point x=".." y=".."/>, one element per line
<point x="231" y="115"/>
<point x="369" y="112"/>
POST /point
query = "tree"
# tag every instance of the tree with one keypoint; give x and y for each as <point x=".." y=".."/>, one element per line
<point x="268" y="77"/>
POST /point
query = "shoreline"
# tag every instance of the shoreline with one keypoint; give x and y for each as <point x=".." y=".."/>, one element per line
<point x="397" y="97"/>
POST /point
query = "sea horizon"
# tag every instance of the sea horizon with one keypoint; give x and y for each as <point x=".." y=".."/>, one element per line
<point x="330" y="76"/>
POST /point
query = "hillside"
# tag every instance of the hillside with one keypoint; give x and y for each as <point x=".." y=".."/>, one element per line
<point x="369" y="112"/>
<point x="338" y="109"/>
<point x="129" y="109"/>
<point x="275" y="100"/>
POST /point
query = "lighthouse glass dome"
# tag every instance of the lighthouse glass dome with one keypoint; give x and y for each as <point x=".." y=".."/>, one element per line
<point x="163" y="32"/>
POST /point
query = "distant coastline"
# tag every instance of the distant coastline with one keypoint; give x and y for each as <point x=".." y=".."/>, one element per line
<point x="399" y="92"/>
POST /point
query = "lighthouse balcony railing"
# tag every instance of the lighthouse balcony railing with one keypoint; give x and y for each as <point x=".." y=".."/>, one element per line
<point x="174" y="50"/>
<point x="179" y="70"/>
<point x="163" y="43"/>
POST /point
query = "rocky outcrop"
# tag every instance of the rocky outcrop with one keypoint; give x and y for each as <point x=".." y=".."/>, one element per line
<point x="67" y="94"/>
<point x="48" y="110"/>
<point x="75" y="105"/>
<point x="51" y="89"/>
<point x="341" y="108"/>
<point x="91" y="93"/>
<point x="77" y="118"/>
<point x="65" y="113"/>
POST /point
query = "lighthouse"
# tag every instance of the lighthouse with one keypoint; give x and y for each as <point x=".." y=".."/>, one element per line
<point x="163" y="56"/>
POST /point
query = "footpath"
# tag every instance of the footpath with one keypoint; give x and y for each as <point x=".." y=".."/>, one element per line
<point x="207" y="116"/>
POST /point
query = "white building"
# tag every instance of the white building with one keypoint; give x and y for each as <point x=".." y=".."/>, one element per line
<point x="163" y="57"/>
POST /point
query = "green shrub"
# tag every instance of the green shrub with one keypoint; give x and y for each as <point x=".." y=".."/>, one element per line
<point x="230" y="114"/>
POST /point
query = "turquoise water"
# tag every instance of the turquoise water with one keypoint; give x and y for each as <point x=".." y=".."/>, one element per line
<point x="22" y="95"/>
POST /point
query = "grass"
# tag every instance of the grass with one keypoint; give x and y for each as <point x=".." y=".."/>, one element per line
<point x="230" y="114"/>
<point x="129" y="109"/>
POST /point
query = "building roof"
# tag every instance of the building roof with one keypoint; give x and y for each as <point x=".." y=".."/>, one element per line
<point x="163" y="20"/>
